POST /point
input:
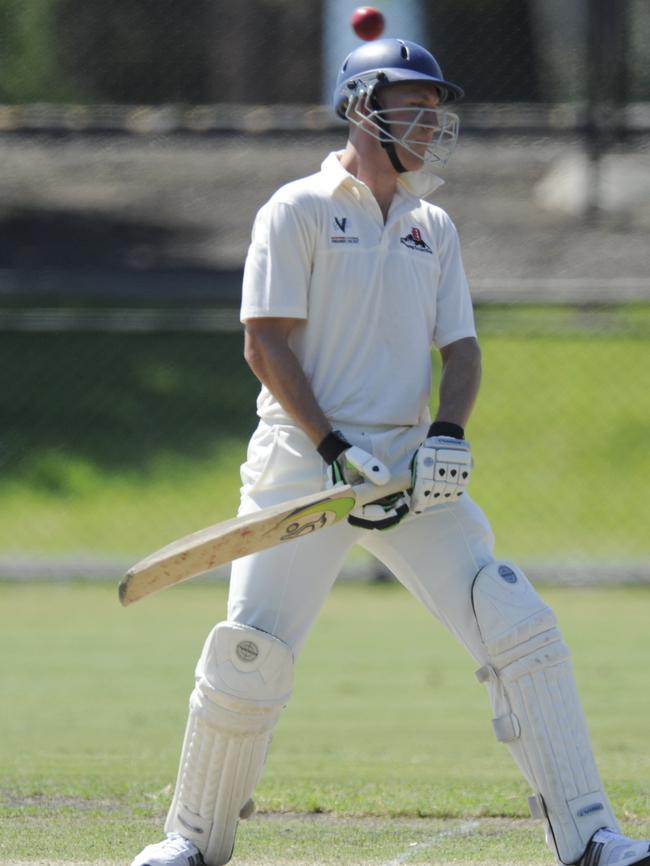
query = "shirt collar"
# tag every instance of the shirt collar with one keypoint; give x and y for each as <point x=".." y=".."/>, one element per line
<point x="419" y="184"/>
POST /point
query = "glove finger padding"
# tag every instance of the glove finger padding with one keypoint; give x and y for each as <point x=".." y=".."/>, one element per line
<point x="381" y="514"/>
<point x="440" y="472"/>
<point x="354" y="465"/>
<point x="364" y="463"/>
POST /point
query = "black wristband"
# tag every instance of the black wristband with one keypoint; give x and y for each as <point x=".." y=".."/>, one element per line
<point x="446" y="428"/>
<point x="332" y="445"/>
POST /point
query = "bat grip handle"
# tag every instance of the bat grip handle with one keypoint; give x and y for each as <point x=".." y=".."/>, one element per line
<point x="369" y="492"/>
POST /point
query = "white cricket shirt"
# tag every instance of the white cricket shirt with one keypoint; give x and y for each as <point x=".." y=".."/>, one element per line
<point x="374" y="297"/>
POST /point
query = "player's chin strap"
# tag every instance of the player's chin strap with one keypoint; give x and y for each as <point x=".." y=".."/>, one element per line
<point x="387" y="143"/>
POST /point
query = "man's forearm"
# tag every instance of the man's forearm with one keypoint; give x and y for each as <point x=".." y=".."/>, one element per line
<point x="459" y="382"/>
<point x="278" y="368"/>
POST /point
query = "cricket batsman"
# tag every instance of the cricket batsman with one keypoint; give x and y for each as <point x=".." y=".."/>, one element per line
<point x="351" y="278"/>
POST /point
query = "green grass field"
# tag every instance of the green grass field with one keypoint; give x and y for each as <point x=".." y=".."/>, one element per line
<point x="117" y="443"/>
<point x="384" y="756"/>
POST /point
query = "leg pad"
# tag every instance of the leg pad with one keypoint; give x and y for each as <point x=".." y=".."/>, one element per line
<point x="243" y="680"/>
<point x="537" y="711"/>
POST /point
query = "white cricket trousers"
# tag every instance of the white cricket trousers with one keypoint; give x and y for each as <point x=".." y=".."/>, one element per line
<point x="435" y="555"/>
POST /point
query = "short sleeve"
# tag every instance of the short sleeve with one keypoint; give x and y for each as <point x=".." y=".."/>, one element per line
<point x="278" y="264"/>
<point x="454" y="313"/>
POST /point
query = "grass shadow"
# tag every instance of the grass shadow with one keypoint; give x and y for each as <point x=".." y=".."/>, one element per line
<point x="120" y="400"/>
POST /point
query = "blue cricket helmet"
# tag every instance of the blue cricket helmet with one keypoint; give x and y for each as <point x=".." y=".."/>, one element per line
<point x="390" y="61"/>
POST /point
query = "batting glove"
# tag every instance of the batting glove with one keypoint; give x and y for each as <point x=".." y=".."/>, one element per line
<point x="349" y="464"/>
<point x="440" y="468"/>
<point x="382" y="513"/>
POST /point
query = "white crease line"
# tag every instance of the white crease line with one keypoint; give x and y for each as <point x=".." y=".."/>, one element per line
<point x="462" y="830"/>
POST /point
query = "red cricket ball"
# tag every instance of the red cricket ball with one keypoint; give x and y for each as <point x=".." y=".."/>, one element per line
<point x="368" y="23"/>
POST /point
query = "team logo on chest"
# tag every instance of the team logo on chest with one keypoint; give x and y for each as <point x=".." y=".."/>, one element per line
<point x="414" y="241"/>
<point x="340" y="236"/>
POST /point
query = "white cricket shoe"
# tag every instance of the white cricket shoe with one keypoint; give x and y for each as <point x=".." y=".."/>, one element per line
<point x="608" y="848"/>
<point x="175" y="850"/>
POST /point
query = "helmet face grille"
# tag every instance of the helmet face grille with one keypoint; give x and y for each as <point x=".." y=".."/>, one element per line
<point x="430" y="134"/>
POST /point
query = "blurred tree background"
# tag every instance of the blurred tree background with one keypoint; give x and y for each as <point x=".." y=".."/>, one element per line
<point x="206" y="51"/>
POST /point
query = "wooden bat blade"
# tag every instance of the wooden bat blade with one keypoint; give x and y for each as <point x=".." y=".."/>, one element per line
<point x="216" y="545"/>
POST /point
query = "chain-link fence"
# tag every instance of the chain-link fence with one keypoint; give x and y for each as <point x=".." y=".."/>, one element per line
<point x="138" y="139"/>
<point x="270" y="51"/>
<point x="114" y="443"/>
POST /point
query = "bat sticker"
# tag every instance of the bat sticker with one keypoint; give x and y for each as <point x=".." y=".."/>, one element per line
<point x="311" y="519"/>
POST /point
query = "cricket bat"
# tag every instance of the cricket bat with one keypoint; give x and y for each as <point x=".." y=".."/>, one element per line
<point x="221" y="543"/>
